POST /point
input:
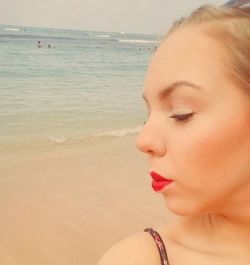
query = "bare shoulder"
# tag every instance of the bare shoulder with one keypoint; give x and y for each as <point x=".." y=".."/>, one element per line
<point x="135" y="249"/>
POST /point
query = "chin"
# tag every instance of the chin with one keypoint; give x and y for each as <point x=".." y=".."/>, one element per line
<point x="185" y="208"/>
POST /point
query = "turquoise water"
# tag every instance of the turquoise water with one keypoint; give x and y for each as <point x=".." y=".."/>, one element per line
<point x="88" y="84"/>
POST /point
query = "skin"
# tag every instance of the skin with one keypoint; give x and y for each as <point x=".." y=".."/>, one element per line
<point x="207" y="155"/>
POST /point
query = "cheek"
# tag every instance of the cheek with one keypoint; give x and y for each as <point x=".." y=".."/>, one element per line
<point x="212" y="152"/>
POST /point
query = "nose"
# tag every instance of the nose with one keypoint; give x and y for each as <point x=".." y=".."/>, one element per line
<point x="151" y="139"/>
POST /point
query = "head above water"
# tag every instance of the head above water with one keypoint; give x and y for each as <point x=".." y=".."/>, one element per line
<point x="198" y="128"/>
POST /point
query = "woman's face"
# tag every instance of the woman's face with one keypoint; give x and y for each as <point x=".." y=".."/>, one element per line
<point x="207" y="153"/>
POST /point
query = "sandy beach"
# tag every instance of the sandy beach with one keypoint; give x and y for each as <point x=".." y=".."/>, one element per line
<point x="68" y="204"/>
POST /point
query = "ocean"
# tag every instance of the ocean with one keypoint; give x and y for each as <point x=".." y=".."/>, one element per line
<point x="78" y="85"/>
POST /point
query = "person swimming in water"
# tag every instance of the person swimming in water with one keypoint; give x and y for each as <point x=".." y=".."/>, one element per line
<point x="39" y="45"/>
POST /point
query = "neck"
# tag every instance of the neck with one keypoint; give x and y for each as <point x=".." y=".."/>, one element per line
<point x="225" y="224"/>
<point x="230" y="222"/>
<point x="219" y="233"/>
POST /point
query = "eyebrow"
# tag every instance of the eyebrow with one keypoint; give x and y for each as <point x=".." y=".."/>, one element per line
<point x="173" y="86"/>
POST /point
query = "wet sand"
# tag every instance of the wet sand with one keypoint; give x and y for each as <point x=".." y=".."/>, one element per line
<point x="68" y="204"/>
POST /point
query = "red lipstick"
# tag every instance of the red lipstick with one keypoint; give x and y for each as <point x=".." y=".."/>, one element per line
<point x="159" y="182"/>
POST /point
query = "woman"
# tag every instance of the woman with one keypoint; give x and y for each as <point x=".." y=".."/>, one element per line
<point x="197" y="139"/>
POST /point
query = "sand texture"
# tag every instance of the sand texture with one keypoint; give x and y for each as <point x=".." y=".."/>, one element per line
<point x="68" y="204"/>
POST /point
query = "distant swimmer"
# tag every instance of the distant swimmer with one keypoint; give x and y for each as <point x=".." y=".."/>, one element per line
<point x="49" y="46"/>
<point x="39" y="45"/>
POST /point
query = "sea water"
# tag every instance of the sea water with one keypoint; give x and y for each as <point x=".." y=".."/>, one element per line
<point x="78" y="85"/>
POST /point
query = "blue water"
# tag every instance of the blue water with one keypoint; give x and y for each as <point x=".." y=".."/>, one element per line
<point x="88" y="84"/>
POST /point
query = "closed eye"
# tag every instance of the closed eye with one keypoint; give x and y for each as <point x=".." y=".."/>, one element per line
<point x="181" y="117"/>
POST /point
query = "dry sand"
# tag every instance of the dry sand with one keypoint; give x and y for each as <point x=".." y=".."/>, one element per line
<point x="69" y="204"/>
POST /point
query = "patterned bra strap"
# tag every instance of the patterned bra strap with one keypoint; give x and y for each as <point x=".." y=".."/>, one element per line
<point x="160" y="245"/>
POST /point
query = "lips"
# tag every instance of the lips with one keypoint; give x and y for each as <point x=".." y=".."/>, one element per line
<point x="159" y="182"/>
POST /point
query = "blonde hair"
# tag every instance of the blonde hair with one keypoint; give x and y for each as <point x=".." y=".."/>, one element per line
<point x="231" y="28"/>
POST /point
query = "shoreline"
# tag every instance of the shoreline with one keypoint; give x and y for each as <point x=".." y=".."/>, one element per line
<point x="55" y="142"/>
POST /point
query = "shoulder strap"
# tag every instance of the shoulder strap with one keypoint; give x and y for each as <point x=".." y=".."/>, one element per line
<point x="160" y="245"/>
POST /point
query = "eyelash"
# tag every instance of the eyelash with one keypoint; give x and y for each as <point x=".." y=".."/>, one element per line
<point x="180" y="118"/>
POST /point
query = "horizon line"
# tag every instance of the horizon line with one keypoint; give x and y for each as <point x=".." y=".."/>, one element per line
<point x="74" y="29"/>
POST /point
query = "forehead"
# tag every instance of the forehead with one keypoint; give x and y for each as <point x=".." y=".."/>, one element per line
<point x="187" y="54"/>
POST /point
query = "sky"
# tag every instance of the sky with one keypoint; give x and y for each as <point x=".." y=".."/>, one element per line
<point x="135" y="16"/>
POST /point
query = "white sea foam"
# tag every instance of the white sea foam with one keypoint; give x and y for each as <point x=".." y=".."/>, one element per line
<point x="94" y="137"/>
<point x="119" y="133"/>
<point x="138" y="41"/>
<point x="11" y="29"/>
<point x="58" y="139"/>
<point x="103" y="36"/>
